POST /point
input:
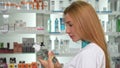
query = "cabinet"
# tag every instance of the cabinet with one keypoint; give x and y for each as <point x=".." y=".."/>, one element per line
<point x="18" y="34"/>
<point x="29" y="24"/>
<point x="36" y="25"/>
<point x="108" y="12"/>
<point x="22" y="24"/>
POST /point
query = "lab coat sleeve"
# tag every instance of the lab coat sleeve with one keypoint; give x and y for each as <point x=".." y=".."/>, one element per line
<point x="90" y="57"/>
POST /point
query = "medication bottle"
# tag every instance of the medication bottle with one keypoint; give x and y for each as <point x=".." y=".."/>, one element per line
<point x="62" y="25"/>
<point x="49" y="25"/>
<point x="56" y="25"/>
<point x="56" y="44"/>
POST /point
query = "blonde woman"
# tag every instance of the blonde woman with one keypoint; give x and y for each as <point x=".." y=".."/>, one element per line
<point x="82" y="24"/>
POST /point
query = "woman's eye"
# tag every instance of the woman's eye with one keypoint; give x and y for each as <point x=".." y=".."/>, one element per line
<point x="70" y="25"/>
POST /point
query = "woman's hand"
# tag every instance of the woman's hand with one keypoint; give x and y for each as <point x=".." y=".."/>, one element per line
<point x="49" y="63"/>
<point x="44" y="63"/>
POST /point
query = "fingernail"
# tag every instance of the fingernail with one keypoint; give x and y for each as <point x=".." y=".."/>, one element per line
<point x="50" y="51"/>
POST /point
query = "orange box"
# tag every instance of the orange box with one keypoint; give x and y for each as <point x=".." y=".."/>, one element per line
<point x="23" y="65"/>
<point x="34" y="65"/>
<point x="29" y="66"/>
<point x="19" y="65"/>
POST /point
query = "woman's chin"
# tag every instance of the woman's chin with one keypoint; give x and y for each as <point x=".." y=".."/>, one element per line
<point x="74" y="40"/>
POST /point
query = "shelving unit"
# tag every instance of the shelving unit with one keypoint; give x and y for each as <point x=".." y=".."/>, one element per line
<point x="108" y="10"/>
<point x="25" y="30"/>
<point x="36" y="19"/>
<point x="30" y="11"/>
<point x="27" y="57"/>
<point x="113" y="33"/>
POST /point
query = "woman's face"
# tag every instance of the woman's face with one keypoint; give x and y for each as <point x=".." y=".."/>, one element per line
<point x="70" y="28"/>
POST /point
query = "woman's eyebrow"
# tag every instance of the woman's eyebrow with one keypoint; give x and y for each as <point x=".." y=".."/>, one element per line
<point x="67" y="22"/>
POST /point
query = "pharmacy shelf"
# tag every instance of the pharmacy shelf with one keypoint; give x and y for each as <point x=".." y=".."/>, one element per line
<point x="108" y="13"/>
<point x="25" y="11"/>
<point x="17" y="53"/>
<point x="104" y="12"/>
<point x="57" y="33"/>
<point x="115" y="13"/>
<point x="28" y="57"/>
<point x="113" y="33"/>
<point x="42" y="32"/>
<point x="25" y="30"/>
<point x="30" y="11"/>
<point x="53" y="12"/>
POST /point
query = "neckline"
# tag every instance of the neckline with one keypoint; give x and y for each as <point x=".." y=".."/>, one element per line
<point x="84" y="43"/>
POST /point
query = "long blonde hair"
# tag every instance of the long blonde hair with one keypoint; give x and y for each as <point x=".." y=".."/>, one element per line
<point x="88" y="25"/>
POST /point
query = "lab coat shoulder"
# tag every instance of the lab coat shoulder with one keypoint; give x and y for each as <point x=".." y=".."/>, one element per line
<point x="91" y="56"/>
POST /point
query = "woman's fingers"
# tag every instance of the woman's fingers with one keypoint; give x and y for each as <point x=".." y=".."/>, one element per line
<point x="44" y="63"/>
<point x="52" y="60"/>
<point x="57" y="65"/>
<point x="50" y="63"/>
<point x="50" y="53"/>
<point x="50" y="57"/>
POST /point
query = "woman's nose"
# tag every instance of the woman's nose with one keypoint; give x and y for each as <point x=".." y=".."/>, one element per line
<point x="67" y="30"/>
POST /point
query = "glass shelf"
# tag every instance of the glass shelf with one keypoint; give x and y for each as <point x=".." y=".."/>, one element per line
<point x="26" y="11"/>
<point x="15" y="53"/>
<point x="113" y="33"/>
<point x="30" y="11"/>
<point x="25" y="30"/>
<point x="27" y="57"/>
<point x="107" y="13"/>
<point x="57" y="33"/>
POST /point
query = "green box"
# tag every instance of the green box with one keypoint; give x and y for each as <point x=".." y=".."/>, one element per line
<point x="118" y="25"/>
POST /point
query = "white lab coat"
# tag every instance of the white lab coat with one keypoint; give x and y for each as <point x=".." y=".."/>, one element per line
<point x="91" y="56"/>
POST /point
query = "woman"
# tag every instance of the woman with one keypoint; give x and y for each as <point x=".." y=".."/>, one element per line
<point x="82" y="23"/>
